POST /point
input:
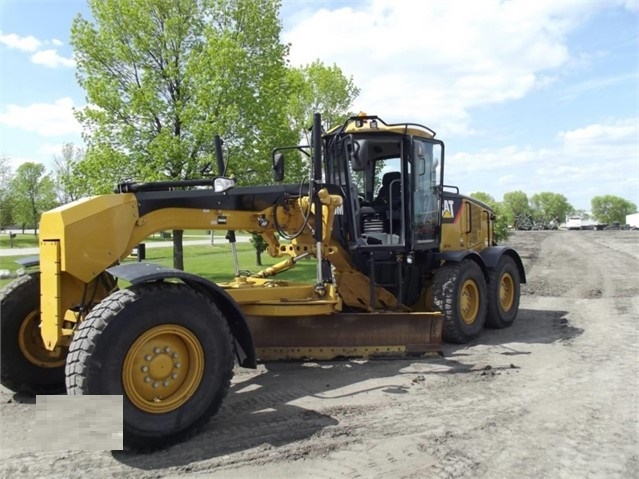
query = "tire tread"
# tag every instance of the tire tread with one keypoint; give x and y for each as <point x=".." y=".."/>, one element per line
<point x="85" y="343"/>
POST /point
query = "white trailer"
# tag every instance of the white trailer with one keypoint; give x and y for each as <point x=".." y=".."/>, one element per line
<point x="633" y="220"/>
<point x="574" y="222"/>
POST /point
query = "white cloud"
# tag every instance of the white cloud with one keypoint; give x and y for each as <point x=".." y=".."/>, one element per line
<point x="51" y="59"/>
<point x="45" y="119"/>
<point x="598" y="83"/>
<point x="50" y="149"/>
<point x="15" y="162"/>
<point x="47" y="57"/>
<point x="440" y="58"/>
<point x="632" y="5"/>
<point x="593" y="160"/>
<point x="25" y="44"/>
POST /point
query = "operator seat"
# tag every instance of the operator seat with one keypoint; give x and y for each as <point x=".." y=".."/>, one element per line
<point x="388" y="187"/>
<point x="389" y="200"/>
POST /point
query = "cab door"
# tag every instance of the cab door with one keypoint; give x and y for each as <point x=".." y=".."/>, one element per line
<point x="427" y="158"/>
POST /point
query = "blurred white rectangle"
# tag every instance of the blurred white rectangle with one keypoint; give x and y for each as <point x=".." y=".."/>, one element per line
<point x="78" y="423"/>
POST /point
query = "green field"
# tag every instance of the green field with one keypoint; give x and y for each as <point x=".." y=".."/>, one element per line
<point x="213" y="262"/>
<point x="31" y="240"/>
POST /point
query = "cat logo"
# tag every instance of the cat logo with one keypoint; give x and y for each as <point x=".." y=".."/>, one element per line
<point x="447" y="209"/>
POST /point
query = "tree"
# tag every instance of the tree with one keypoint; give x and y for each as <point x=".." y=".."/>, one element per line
<point x="6" y="203"/>
<point x="67" y="187"/>
<point x="550" y="206"/>
<point x="162" y="78"/>
<point x="319" y="89"/>
<point x="501" y="231"/>
<point x="608" y="209"/>
<point x="516" y="205"/>
<point x="34" y="192"/>
<point x="260" y="246"/>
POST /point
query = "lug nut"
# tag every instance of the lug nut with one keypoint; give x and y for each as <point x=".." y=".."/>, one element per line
<point x="156" y="350"/>
<point x="175" y="355"/>
<point x="148" y="357"/>
<point x="174" y="375"/>
<point x="156" y="385"/>
<point x="167" y="350"/>
<point x="147" y="379"/>
<point x="165" y="383"/>
<point x="177" y="365"/>
<point x="145" y="369"/>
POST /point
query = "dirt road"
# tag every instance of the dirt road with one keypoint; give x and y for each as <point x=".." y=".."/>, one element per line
<point x="556" y="396"/>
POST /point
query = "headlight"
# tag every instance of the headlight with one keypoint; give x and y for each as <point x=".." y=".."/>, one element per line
<point x="222" y="184"/>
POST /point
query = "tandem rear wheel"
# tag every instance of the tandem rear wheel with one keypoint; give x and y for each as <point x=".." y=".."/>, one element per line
<point x="460" y="293"/>
<point x="469" y="303"/>
<point x="503" y="293"/>
<point x="166" y="348"/>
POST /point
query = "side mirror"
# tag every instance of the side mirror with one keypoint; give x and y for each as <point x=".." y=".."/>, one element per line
<point x="420" y="166"/>
<point x="278" y="167"/>
<point x="357" y="156"/>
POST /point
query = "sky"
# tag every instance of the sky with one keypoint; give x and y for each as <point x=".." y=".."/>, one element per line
<point x="527" y="95"/>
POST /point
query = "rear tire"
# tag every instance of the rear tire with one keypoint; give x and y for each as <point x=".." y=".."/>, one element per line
<point x="27" y="366"/>
<point x="167" y="349"/>
<point x="460" y="293"/>
<point x="503" y="294"/>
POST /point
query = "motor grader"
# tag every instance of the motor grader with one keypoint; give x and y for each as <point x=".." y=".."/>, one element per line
<point x="401" y="260"/>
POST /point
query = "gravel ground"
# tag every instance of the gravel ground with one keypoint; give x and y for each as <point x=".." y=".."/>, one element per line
<point x="555" y="395"/>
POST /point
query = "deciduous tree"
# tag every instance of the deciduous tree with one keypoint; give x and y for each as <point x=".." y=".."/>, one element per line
<point x="6" y="203"/>
<point x="33" y="192"/>
<point x="550" y="206"/>
<point x="320" y="89"/>
<point x="516" y="205"/>
<point x="163" y="77"/>
<point x="67" y="187"/>
<point x="609" y="209"/>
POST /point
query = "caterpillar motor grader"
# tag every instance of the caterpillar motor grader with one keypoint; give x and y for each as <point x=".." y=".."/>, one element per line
<point x="401" y="260"/>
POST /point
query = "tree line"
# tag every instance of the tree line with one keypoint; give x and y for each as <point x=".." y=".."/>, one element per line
<point x="551" y="208"/>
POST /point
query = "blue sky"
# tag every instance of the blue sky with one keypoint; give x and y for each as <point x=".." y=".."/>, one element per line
<point x="528" y="95"/>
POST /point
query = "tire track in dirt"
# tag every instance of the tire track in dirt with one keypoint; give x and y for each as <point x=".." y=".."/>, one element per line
<point x="595" y="366"/>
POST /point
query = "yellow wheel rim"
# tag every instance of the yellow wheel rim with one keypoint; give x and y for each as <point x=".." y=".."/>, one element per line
<point x="469" y="301"/>
<point x="506" y="292"/>
<point x="32" y="347"/>
<point x="163" y="368"/>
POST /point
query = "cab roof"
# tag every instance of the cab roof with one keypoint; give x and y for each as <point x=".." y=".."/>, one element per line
<point x="373" y="124"/>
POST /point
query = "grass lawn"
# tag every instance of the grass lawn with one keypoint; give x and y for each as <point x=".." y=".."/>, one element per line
<point x="30" y="240"/>
<point x="20" y="241"/>
<point x="213" y="262"/>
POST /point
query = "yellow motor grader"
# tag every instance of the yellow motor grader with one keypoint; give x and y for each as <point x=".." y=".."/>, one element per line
<point x="401" y="261"/>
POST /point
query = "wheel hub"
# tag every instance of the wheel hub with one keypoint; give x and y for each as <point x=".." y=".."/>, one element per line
<point x="469" y="302"/>
<point x="32" y="347"/>
<point x="506" y="292"/>
<point x="163" y="368"/>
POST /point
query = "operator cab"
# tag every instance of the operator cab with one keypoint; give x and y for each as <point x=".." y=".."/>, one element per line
<point x="390" y="177"/>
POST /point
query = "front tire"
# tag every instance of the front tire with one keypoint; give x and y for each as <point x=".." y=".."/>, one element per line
<point x="460" y="294"/>
<point x="167" y="349"/>
<point x="27" y="366"/>
<point x="503" y="294"/>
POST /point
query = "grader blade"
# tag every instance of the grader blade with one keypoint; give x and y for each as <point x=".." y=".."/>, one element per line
<point x="346" y="335"/>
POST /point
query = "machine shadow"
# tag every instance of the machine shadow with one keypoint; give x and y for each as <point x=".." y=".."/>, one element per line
<point x="533" y="326"/>
<point x="268" y="408"/>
